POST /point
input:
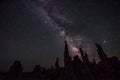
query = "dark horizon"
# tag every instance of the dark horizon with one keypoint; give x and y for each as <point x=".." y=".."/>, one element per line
<point x="66" y="53"/>
<point x="108" y="68"/>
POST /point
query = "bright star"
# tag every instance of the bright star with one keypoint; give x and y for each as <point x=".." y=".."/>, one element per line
<point x="104" y="41"/>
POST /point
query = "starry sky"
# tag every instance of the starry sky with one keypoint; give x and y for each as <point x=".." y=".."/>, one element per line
<point x="34" y="31"/>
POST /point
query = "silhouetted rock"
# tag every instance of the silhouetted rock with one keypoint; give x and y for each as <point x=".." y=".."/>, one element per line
<point x="101" y="53"/>
<point x="57" y="64"/>
<point x="94" y="61"/>
<point x="67" y="57"/>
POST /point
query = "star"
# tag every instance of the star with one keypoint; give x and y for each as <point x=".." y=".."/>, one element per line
<point x="104" y="41"/>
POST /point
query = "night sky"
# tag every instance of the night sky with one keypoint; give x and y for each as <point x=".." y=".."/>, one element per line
<point x="34" y="31"/>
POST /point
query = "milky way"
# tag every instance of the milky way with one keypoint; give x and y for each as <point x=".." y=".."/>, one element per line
<point x="53" y="18"/>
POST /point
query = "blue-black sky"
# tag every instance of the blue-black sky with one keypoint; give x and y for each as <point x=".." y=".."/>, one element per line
<point x="26" y="34"/>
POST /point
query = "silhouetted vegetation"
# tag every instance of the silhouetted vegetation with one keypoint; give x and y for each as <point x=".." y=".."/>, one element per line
<point x="108" y="68"/>
<point x="16" y="68"/>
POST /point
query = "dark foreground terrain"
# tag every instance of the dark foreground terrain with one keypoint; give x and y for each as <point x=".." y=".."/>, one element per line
<point x="108" y="68"/>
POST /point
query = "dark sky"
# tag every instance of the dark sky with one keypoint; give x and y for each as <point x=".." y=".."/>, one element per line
<point x="25" y="35"/>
